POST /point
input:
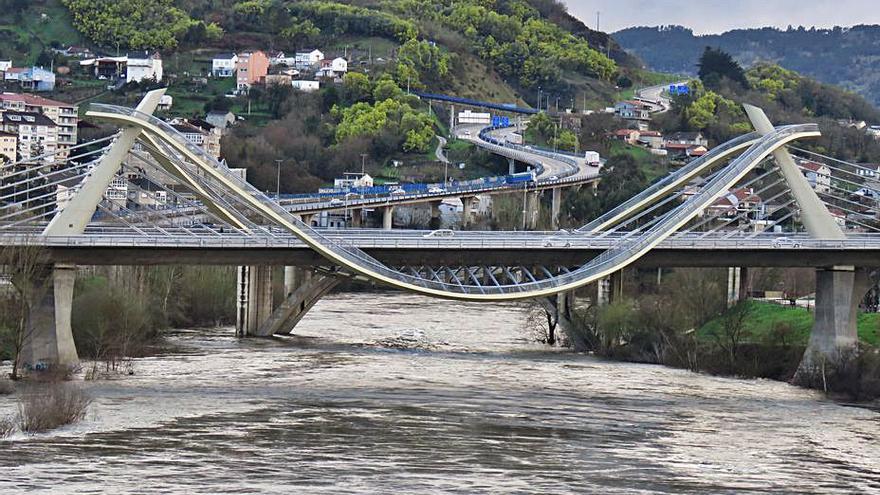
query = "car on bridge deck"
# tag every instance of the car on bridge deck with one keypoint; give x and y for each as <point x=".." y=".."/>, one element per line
<point x="436" y="190"/>
<point x="398" y="191"/>
<point x="336" y="202"/>
<point x="786" y="242"/>
<point x="556" y="241"/>
<point x="440" y="233"/>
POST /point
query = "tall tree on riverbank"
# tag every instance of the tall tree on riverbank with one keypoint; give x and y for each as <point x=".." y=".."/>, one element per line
<point x="25" y="267"/>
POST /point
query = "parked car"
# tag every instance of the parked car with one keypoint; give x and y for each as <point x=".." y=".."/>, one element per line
<point x="786" y="242"/>
<point x="440" y="233"/>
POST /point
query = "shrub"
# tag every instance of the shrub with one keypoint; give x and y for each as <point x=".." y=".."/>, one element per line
<point x="7" y="425"/>
<point x="6" y="387"/>
<point x="53" y="406"/>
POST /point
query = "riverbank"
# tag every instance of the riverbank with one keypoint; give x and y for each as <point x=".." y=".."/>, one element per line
<point x="750" y="340"/>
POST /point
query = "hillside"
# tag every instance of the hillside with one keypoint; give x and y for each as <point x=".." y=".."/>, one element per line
<point x="847" y="57"/>
<point x="501" y="51"/>
<point x="506" y="52"/>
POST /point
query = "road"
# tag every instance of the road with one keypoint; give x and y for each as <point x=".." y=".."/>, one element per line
<point x="561" y="166"/>
<point x="441" y="155"/>
<point x="657" y="93"/>
<point x="419" y="247"/>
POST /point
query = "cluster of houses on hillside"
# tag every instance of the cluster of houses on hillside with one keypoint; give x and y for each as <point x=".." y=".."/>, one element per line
<point x="32" y="78"/>
<point x="31" y="126"/>
<point x="304" y="70"/>
<point x="861" y="125"/>
<point x="680" y="145"/>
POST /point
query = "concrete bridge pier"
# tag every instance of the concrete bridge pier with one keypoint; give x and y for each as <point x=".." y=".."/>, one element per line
<point x="839" y="291"/>
<point x="264" y="312"/>
<point x="48" y="338"/>
<point x="511" y="166"/>
<point x="254" y="298"/>
<point x="610" y="288"/>
<point x="737" y="285"/>
<point x="435" y="214"/>
<point x="357" y="218"/>
<point x="555" y="206"/>
<point x="559" y="310"/>
<point x="467" y="212"/>
<point x="387" y="217"/>
<point x="533" y="207"/>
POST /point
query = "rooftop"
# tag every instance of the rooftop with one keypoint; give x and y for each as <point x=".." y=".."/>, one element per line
<point x="27" y="118"/>
<point x="33" y="100"/>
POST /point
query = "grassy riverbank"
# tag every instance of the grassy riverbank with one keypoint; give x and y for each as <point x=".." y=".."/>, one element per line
<point x="767" y="320"/>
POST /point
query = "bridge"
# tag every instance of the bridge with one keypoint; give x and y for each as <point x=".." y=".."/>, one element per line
<point x="670" y="223"/>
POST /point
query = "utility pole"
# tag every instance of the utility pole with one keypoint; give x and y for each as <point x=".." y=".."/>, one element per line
<point x="278" y="180"/>
<point x="363" y="163"/>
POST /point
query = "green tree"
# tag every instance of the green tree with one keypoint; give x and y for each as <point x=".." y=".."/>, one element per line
<point x="716" y="64"/>
<point x="356" y="87"/>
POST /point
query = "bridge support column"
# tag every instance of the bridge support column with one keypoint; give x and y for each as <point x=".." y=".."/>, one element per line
<point x="302" y="289"/>
<point x="533" y="206"/>
<point x="737" y="285"/>
<point x="435" y="214"/>
<point x="511" y="166"/>
<point x="610" y="288"/>
<point x="387" y="217"/>
<point x="307" y="219"/>
<point x="467" y="212"/>
<point x="839" y="291"/>
<point x="48" y="339"/>
<point x="555" y="206"/>
<point x="255" y="298"/>
<point x="452" y="121"/>
<point x="559" y="316"/>
<point x="357" y="218"/>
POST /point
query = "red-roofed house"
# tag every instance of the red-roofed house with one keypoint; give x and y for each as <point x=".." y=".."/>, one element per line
<point x="629" y="136"/>
<point x="651" y="139"/>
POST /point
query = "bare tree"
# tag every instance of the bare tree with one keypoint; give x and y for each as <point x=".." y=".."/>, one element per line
<point x="25" y="266"/>
<point x="732" y="331"/>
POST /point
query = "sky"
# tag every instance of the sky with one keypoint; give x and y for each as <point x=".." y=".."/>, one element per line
<point x="717" y="16"/>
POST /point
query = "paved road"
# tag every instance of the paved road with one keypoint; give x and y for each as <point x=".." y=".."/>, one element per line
<point x="441" y="155"/>
<point x="657" y="93"/>
<point x="551" y="167"/>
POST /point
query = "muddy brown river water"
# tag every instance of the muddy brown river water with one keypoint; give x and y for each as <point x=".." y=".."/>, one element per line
<point x="391" y="393"/>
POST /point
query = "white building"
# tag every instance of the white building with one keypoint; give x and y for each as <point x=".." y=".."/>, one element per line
<point x="223" y="65"/>
<point x="279" y="58"/>
<point x="307" y="59"/>
<point x="143" y="65"/>
<point x="165" y="102"/>
<point x="353" y="179"/>
<point x="337" y="67"/>
<point x="65" y="115"/>
<point x="818" y="175"/>
<point x="306" y="86"/>
<point x="117" y="191"/>
<point x="37" y="134"/>
<point x="5" y="65"/>
<point x="469" y="117"/>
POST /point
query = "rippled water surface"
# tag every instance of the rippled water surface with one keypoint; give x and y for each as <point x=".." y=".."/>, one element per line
<point x="388" y="393"/>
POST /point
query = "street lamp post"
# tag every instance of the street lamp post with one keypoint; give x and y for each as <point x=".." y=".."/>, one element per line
<point x="278" y="180"/>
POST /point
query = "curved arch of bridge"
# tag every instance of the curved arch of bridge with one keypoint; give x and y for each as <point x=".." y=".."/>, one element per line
<point x="356" y="261"/>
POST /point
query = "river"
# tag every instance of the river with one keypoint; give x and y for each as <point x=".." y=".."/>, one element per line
<point x="391" y="393"/>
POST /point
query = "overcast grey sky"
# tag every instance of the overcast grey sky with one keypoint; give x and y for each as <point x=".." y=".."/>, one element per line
<point x="716" y="16"/>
